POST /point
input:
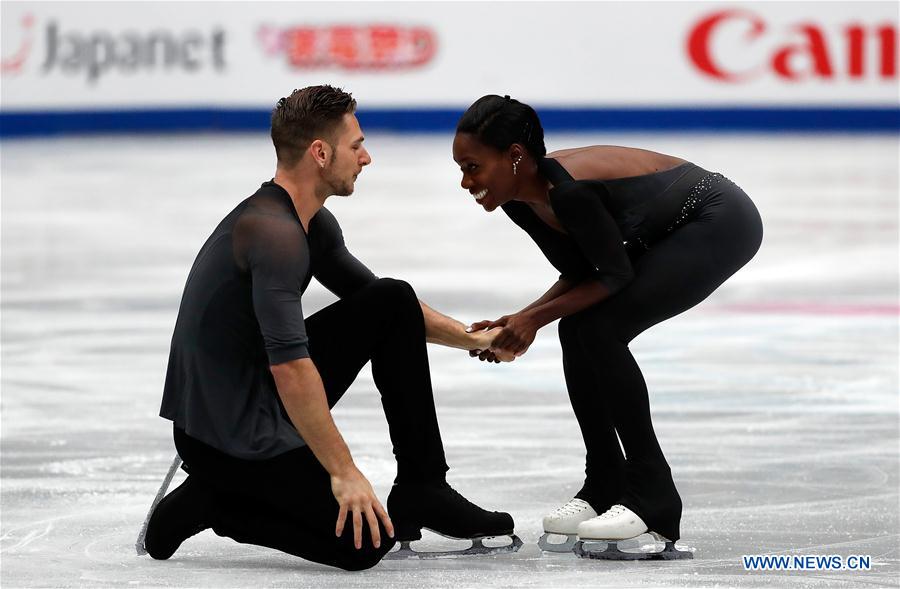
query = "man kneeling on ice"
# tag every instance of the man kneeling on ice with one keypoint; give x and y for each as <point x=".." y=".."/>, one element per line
<point x="251" y="381"/>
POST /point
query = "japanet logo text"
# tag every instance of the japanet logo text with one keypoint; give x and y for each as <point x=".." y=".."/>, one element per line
<point x="97" y="53"/>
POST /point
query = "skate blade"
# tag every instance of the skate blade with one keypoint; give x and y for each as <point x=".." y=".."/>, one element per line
<point x="139" y="544"/>
<point x="612" y="552"/>
<point x="562" y="547"/>
<point x="478" y="548"/>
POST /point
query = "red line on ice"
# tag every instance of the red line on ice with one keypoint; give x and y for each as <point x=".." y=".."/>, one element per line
<point x="815" y="308"/>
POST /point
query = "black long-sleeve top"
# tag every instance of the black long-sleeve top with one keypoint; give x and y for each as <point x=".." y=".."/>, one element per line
<point x="602" y="217"/>
<point x="241" y="312"/>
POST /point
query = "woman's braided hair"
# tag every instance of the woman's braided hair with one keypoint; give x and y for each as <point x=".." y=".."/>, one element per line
<point x="500" y="121"/>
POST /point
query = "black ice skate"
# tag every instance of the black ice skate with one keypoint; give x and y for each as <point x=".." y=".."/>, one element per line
<point x="439" y="508"/>
<point x="181" y="514"/>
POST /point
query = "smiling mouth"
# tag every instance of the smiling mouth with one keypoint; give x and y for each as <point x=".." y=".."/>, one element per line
<point x="480" y="195"/>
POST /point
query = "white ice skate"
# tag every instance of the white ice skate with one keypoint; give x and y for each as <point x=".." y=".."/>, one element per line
<point x="564" y="522"/>
<point x="616" y="524"/>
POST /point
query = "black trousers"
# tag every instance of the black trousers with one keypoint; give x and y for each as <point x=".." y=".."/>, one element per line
<point x="286" y="502"/>
<point x="605" y="384"/>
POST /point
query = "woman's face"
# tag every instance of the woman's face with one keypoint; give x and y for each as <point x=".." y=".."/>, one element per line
<point x="486" y="172"/>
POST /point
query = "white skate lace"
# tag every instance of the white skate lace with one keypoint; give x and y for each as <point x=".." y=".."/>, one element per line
<point x="614" y="511"/>
<point x="571" y="508"/>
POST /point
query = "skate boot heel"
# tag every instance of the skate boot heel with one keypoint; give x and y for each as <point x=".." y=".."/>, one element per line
<point x="670" y="552"/>
<point x="405" y="532"/>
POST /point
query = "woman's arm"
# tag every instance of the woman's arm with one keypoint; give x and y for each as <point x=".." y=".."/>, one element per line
<point x="519" y="330"/>
<point x="487" y="350"/>
<point x="561" y="287"/>
<point x="576" y="298"/>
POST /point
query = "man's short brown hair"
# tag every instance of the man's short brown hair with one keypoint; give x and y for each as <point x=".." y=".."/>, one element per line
<point x="311" y="113"/>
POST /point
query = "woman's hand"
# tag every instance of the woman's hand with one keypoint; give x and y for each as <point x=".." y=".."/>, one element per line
<point x="518" y="333"/>
<point x="483" y="340"/>
<point x="486" y="332"/>
<point x="488" y="324"/>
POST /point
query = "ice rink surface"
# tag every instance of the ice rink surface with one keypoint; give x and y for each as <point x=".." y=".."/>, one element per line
<point x="776" y="400"/>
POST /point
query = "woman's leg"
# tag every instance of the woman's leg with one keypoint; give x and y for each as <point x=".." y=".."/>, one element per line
<point x="613" y="400"/>
<point x="675" y="275"/>
<point x="604" y="463"/>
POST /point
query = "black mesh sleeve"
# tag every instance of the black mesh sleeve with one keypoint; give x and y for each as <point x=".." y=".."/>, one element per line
<point x="582" y="213"/>
<point x="338" y="270"/>
<point x="276" y="254"/>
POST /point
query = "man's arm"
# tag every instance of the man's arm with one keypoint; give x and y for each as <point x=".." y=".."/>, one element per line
<point x="343" y="274"/>
<point x="447" y="331"/>
<point x="338" y="270"/>
<point x="303" y="396"/>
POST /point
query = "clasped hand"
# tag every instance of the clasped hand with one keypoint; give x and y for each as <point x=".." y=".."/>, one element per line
<point x="513" y="334"/>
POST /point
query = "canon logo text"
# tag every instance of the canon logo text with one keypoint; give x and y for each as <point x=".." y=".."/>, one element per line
<point x="801" y="51"/>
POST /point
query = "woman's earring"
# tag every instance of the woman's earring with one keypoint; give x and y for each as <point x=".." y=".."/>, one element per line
<point x="516" y="163"/>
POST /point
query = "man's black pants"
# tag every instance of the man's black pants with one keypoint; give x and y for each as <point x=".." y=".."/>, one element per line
<point x="286" y="502"/>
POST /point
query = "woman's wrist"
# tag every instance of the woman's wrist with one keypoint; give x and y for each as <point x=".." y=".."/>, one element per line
<point x="535" y="317"/>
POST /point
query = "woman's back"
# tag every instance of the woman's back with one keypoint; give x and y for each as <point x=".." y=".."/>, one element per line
<point x="606" y="162"/>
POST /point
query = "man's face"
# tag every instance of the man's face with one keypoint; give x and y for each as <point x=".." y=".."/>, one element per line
<point x="347" y="159"/>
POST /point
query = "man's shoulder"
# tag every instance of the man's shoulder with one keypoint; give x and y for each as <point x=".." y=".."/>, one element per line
<point x="269" y="191"/>
<point x="272" y="201"/>
<point x="324" y="220"/>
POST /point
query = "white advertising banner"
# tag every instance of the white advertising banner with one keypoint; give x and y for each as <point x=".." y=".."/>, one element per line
<point x="72" y="55"/>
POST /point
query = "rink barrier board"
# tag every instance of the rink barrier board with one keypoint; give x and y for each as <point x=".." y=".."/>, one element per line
<point x="426" y="120"/>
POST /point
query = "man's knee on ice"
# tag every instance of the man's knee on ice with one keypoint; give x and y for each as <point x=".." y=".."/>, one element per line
<point x="367" y="556"/>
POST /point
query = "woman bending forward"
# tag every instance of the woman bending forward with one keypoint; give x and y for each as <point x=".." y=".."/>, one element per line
<point x="638" y="237"/>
